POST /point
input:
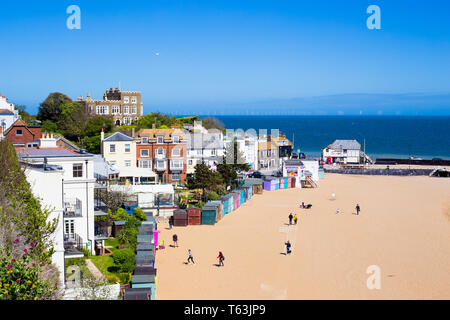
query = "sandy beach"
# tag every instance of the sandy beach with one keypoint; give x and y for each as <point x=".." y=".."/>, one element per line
<point x="403" y="228"/>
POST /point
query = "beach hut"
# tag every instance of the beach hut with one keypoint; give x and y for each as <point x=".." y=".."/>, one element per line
<point x="140" y="270"/>
<point x="258" y="187"/>
<point x="270" y="185"/>
<point x="281" y="182"/>
<point x="145" y="260"/>
<point x="146" y="247"/>
<point x="144" y="281"/>
<point x="286" y="182"/>
<point x="224" y="200"/>
<point x="145" y="238"/>
<point x="150" y="221"/>
<point x="219" y="206"/>
<point x="146" y="229"/>
<point x="194" y="216"/>
<point x="137" y="294"/>
<point x="180" y="218"/>
<point x="209" y="213"/>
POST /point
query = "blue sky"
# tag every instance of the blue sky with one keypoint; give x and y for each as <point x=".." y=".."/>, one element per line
<point x="223" y="54"/>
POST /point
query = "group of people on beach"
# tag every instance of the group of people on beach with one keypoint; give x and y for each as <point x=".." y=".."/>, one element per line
<point x="221" y="257"/>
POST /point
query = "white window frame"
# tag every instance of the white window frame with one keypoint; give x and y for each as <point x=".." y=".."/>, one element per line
<point x="126" y="99"/>
<point x="147" y="163"/>
<point x="134" y="109"/>
<point x="115" y="109"/>
<point x="145" y="156"/>
<point x="159" y="137"/>
<point x="112" y="148"/>
<point x="126" y="110"/>
<point x="127" y="163"/>
<point x="144" y="140"/>
<point x="102" y="109"/>
<point x="176" y="139"/>
<point x="129" y="147"/>
<point x="176" y="155"/>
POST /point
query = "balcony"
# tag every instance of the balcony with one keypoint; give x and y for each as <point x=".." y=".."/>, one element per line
<point x="176" y="165"/>
<point x="73" y="246"/>
<point x="161" y="166"/>
<point x="72" y="207"/>
<point x="101" y="232"/>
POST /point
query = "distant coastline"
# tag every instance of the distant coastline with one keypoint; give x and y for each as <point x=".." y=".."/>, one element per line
<point x="386" y="136"/>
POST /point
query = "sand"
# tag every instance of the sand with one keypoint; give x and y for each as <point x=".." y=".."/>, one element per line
<point x="403" y="228"/>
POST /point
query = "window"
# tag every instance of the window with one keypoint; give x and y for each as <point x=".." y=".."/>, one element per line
<point x="176" y="152"/>
<point x="160" y="140"/>
<point x="126" y="110"/>
<point x="127" y="163"/>
<point x="127" y="120"/>
<point x="133" y="109"/>
<point x="176" y="164"/>
<point x="160" y="164"/>
<point x="145" y="164"/>
<point x="134" y="100"/>
<point x="126" y="99"/>
<point x="190" y="162"/>
<point x="128" y="147"/>
<point x="115" y="110"/>
<point x="144" y="152"/>
<point x="3" y="126"/>
<point x="144" y="140"/>
<point x="102" y="110"/>
<point x="213" y="152"/>
<point x="176" y="177"/>
<point x="112" y="148"/>
<point x="77" y="170"/>
<point x="160" y="152"/>
<point x="19" y="132"/>
<point x="176" y="139"/>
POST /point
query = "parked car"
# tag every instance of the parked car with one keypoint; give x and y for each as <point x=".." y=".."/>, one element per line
<point x="255" y="174"/>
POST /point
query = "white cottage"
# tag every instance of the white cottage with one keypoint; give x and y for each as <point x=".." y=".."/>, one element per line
<point x="342" y="151"/>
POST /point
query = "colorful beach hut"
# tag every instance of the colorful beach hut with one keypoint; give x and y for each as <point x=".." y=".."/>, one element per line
<point x="194" y="216"/>
<point x="180" y="218"/>
<point x="144" y="281"/>
<point x="209" y="214"/>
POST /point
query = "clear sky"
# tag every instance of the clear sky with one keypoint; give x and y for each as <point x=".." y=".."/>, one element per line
<point x="213" y="52"/>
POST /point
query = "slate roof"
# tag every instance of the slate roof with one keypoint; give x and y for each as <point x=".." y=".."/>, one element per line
<point x="345" y="144"/>
<point x="50" y="153"/>
<point x="118" y="136"/>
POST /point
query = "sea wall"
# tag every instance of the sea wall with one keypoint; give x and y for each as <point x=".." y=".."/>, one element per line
<point x="383" y="172"/>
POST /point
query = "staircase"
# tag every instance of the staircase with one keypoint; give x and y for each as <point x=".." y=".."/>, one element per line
<point x="312" y="182"/>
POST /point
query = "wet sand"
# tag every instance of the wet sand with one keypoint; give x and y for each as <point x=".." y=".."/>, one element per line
<point x="403" y="228"/>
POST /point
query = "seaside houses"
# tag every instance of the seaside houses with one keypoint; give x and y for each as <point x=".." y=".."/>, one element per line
<point x="20" y="134"/>
<point x="247" y="144"/>
<point x="305" y="171"/>
<point x="8" y="115"/>
<point x="78" y="189"/>
<point x="204" y="146"/>
<point x="268" y="154"/>
<point x="124" y="106"/>
<point x="342" y="151"/>
<point x="284" y="147"/>
<point x="165" y="152"/>
<point x="119" y="149"/>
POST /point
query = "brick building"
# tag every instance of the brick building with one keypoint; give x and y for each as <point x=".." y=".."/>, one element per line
<point x="125" y="106"/>
<point x="164" y="151"/>
<point x="22" y="135"/>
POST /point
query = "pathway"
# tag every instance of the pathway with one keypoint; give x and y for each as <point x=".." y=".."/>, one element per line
<point x="94" y="270"/>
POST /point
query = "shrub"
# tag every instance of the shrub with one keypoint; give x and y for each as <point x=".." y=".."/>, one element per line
<point x="139" y="213"/>
<point x="124" y="259"/>
<point x="211" y="195"/>
<point x="86" y="252"/>
<point x="113" y="278"/>
<point x="128" y="236"/>
<point x="125" y="277"/>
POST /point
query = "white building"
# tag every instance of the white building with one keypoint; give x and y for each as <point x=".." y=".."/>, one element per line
<point x="77" y="191"/>
<point x="207" y="147"/>
<point x="342" y="151"/>
<point x="305" y="171"/>
<point x="8" y="115"/>
<point x="247" y="144"/>
<point x="119" y="150"/>
<point x="47" y="185"/>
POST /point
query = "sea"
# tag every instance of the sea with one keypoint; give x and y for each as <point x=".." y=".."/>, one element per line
<point x="425" y="137"/>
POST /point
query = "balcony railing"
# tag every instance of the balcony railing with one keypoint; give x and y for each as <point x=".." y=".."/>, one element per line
<point x="73" y="244"/>
<point x="176" y="165"/>
<point x="72" y="207"/>
<point x="101" y="232"/>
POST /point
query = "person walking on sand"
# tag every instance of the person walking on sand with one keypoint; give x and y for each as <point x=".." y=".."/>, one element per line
<point x="170" y="222"/>
<point x="221" y="258"/>
<point x="175" y="240"/>
<point x="295" y="218"/>
<point x="290" y="218"/>
<point x="288" y="247"/>
<point x="357" y="209"/>
<point x="190" y="258"/>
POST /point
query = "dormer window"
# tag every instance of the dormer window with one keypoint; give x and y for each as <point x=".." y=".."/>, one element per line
<point x="176" y="139"/>
<point x="144" y="140"/>
<point x="160" y="140"/>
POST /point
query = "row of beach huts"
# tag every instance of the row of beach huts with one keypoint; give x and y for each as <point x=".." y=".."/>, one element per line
<point x="214" y="210"/>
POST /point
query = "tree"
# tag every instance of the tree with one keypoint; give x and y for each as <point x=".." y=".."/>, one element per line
<point x="213" y="123"/>
<point x="25" y="235"/>
<point x="139" y="214"/>
<point x="23" y="114"/>
<point x="49" y="126"/>
<point x="147" y="121"/>
<point x="50" y="108"/>
<point x="204" y="178"/>
<point x="72" y="120"/>
<point x="233" y="162"/>
<point x="95" y="125"/>
<point x="91" y="144"/>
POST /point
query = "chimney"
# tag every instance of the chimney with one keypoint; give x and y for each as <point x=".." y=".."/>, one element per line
<point x="102" y="135"/>
<point x="154" y="126"/>
<point x="132" y="132"/>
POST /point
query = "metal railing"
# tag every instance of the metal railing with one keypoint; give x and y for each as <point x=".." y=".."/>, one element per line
<point x="72" y="207"/>
<point x="73" y="244"/>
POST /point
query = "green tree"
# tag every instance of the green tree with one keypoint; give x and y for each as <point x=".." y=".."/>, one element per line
<point x="50" y="108"/>
<point x="23" y="114"/>
<point x="95" y="125"/>
<point x="203" y="178"/>
<point x="72" y="120"/>
<point x="139" y="214"/>
<point x="124" y="259"/>
<point x="91" y="144"/>
<point x="49" y="126"/>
